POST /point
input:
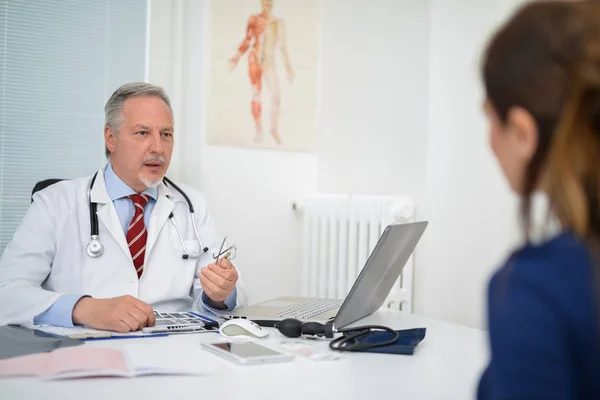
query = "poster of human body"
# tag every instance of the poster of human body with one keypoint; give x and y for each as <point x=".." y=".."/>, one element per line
<point x="263" y="78"/>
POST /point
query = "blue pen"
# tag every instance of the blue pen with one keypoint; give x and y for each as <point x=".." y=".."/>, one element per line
<point x="124" y="337"/>
<point x="203" y="317"/>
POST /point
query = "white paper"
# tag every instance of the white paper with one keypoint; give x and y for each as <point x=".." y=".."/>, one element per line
<point x="311" y="352"/>
<point x="83" y="332"/>
<point x="147" y="359"/>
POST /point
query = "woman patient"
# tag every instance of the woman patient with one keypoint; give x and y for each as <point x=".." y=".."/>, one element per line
<point x="541" y="73"/>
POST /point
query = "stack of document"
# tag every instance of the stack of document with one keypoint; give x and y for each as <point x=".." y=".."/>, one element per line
<point x="88" y="333"/>
<point x="86" y="361"/>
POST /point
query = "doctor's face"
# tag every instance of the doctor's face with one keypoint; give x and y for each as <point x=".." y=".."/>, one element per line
<point x="141" y="149"/>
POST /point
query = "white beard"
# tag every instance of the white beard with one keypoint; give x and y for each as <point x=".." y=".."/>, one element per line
<point x="149" y="183"/>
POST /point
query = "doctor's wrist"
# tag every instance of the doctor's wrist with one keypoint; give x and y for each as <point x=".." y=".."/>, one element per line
<point x="82" y="310"/>
<point x="217" y="305"/>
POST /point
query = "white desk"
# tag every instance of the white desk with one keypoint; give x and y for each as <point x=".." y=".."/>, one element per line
<point x="446" y="365"/>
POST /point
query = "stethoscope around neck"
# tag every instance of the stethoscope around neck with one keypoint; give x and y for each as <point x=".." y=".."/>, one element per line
<point x="95" y="248"/>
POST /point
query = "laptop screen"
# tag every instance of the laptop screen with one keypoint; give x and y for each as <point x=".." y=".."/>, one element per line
<point x="382" y="269"/>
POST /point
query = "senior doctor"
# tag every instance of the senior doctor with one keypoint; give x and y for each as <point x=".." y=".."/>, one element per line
<point x="143" y="259"/>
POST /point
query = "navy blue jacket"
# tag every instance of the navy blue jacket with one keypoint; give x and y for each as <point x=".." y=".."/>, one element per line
<point x="544" y="324"/>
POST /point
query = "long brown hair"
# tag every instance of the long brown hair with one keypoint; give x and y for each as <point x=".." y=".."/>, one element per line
<point x="546" y="60"/>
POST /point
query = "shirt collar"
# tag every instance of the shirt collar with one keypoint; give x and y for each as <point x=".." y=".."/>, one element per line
<point x="117" y="189"/>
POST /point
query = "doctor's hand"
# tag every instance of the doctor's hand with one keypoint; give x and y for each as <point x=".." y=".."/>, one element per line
<point x="121" y="314"/>
<point x="218" y="280"/>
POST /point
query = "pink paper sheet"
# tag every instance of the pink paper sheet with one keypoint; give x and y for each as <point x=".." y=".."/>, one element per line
<point x="29" y="365"/>
<point x="87" y="360"/>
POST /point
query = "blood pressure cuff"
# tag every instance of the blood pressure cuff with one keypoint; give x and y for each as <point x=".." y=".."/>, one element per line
<point x="406" y="343"/>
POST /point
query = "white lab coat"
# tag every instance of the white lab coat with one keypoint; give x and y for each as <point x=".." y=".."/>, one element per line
<point x="47" y="257"/>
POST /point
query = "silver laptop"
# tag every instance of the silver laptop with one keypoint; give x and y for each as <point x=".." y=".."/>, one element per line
<point x="368" y="293"/>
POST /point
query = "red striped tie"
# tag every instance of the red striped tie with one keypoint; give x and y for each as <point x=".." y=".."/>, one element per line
<point x="136" y="233"/>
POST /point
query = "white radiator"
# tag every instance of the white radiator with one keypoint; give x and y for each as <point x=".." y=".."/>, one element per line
<point x="339" y="233"/>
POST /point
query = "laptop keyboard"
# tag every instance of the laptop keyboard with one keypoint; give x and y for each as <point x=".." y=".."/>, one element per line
<point x="310" y="309"/>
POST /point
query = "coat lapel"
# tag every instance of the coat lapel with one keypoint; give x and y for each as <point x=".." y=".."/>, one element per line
<point x="160" y="214"/>
<point x="107" y="215"/>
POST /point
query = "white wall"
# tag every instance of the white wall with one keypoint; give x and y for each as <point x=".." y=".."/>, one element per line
<point x="472" y="213"/>
<point x="158" y="56"/>
<point x="373" y="136"/>
<point x="400" y="114"/>
<point x="403" y="116"/>
<point x="375" y="105"/>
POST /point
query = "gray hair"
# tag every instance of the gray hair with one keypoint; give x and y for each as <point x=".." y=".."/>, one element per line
<point x="113" y="110"/>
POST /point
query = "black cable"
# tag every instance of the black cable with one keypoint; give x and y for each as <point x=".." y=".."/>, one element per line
<point x="191" y="207"/>
<point x="349" y="340"/>
<point x="93" y="208"/>
<point x="167" y="180"/>
<point x="93" y="218"/>
<point x="266" y="322"/>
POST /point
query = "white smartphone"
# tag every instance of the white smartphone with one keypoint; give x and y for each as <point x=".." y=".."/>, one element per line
<point x="247" y="352"/>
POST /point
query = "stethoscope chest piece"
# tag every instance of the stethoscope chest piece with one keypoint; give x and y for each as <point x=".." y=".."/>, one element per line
<point x="94" y="248"/>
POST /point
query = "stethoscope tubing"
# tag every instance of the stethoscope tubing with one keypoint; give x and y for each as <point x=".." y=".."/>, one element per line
<point x="95" y="248"/>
